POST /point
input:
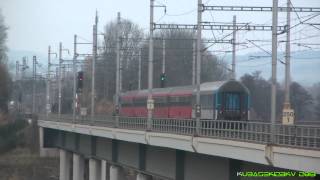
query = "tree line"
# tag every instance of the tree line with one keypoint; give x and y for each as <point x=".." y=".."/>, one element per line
<point x="305" y="105"/>
<point x="5" y="80"/>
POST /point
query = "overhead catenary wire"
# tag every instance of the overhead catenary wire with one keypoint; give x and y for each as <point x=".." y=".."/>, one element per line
<point x="295" y="11"/>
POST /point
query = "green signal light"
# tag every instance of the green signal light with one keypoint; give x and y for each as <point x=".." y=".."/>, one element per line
<point x="163" y="77"/>
<point x="162" y="80"/>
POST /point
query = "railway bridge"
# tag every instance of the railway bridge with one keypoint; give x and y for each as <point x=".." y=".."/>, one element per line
<point x="101" y="147"/>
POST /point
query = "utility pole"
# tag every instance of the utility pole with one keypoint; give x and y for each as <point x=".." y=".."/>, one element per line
<point x="198" y="106"/>
<point x="234" y="48"/>
<point x="139" y="71"/>
<point x="120" y="69"/>
<point x="34" y="72"/>
<point x="150" y="102"/>
<point x="55" y="87"/>
<point x="117" y="70"/>
<point x="288" y="113"/>
<point x="274" y="68"/>
<point x="163" y="56"/>
<point x="94" y="58"/>
<point x="48" y="108"/>
<point x="163" y="72"/>
<point x="48" y="103"/>
<point x="59" y="80"/>
<point x="19" y="86"/>
<point x="194" y="55"/>
<point x="17" y="70"/>
<point x="24" y="67"/>
<point x="74" y="76"/>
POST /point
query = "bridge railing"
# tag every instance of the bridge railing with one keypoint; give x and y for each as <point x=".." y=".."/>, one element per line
<point x="298" y="135"/>
<point x="137" y="123"/>
<point x="176" y="126"/>
<point x="303" y="136"/>
<point x="237" y="130"/>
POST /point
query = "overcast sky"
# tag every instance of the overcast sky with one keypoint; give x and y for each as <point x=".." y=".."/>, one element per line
<point x="35" y="24"/>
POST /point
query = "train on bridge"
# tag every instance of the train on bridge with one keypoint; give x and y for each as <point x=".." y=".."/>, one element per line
<point x="220" y="100"/>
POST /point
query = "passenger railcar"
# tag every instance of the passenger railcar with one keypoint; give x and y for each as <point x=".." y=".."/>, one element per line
<point x="225" y="100"/>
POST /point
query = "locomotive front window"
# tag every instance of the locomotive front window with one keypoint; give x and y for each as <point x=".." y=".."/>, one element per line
<point x="232" y="101"/>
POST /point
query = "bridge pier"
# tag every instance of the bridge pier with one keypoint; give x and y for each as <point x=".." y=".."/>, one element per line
<point x="45" y="151"/>
<point x="94" y="169"/>
<point x="41" y="140"/>
<point x="78" y="167"/>
<point x="141" y="176"/>
<point x="116" y="173"/>
<point x="65" y="164"/>
<point x="103" y="170"/>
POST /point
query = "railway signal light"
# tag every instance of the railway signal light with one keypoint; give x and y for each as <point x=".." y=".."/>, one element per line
<point x="198" y="110"/>
<point x="80" y="81"/>
<point x="162" y="80"/>
<point x="130" y="86"/>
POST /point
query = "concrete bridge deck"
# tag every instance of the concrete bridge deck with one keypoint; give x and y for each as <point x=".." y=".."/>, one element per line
<point x="296" y="147"/>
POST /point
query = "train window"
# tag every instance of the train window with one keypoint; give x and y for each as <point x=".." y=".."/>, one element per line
<point x="140" y="101"/>
<point x="180" y="100"/>
<point x="174" y="99"/>
<point x="186" y="100"/>
<point x="126" y="102"/>
<point x="232" y="101"/>
<point x="160" y="101"/>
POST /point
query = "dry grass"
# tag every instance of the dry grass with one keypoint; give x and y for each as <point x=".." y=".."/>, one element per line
<point x="21" y="164"/>
<point x="3" y="118"/>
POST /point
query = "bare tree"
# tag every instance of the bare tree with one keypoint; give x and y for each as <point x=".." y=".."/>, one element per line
<point x="178" y="57"/>
<point x="3" y="39"/>
<point x="301" y="102"/>
<point x="131" y="36"/>
<point x="4" y="75"/>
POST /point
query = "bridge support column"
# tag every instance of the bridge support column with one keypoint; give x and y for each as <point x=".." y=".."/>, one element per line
<point x="141" y="176"/>
<point x="65" y="163"/>
<point x="234" y="167"/>
<point x="116" y="173"/>
<point x="78" y="167"/>
<point x="94" y="169"/>
<point x="43" y="151"/>
<point x="41" y="144"/>
<point x="103" y="170"/>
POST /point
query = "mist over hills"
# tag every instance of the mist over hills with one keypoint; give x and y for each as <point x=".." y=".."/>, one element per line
<point x="305" y="66"/>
